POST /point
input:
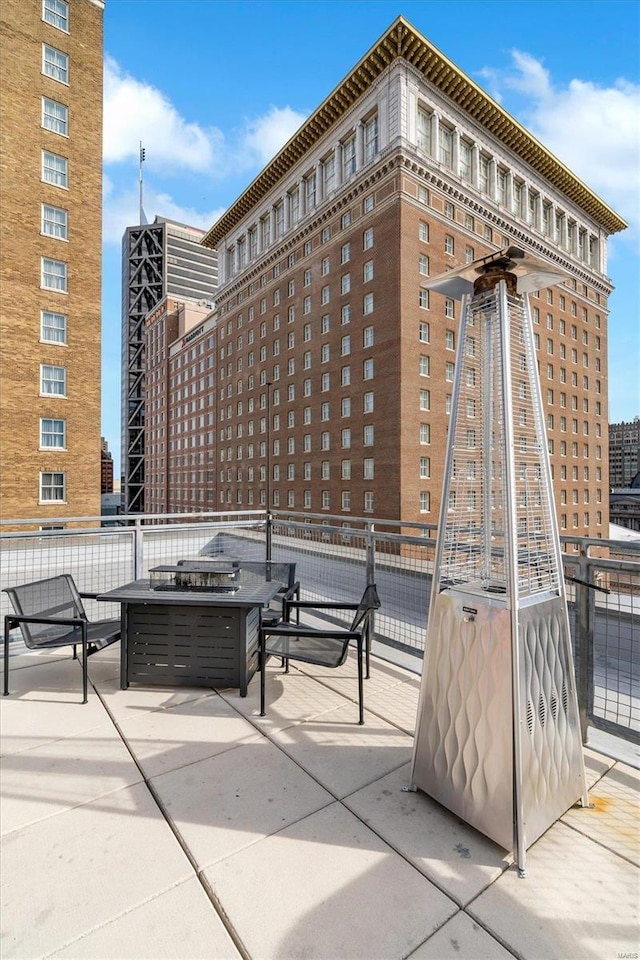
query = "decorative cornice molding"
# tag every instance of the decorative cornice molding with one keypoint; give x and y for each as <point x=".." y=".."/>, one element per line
<point x="403" y="41"/>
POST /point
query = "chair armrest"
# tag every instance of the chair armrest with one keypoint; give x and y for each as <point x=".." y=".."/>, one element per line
<point x="15" y="618"/>
<point x="294" y="630"/>
<point x="91" y="596"/>
<point x="313" y="605"/>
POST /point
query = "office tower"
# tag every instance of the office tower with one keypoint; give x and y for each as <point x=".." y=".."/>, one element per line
<point x="50" y="270"/>
<point x="624" y="452"/>
<point x="161" y="259"/>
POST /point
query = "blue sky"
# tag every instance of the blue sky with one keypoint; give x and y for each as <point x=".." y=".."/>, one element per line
<point x="213" y="89"/>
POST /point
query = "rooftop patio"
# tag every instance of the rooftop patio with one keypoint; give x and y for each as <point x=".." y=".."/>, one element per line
<point x="164" y="823"/>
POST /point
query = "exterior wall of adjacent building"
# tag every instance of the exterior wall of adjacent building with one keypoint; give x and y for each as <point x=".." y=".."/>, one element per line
<point x="50" y="274"/>
<point x="624" y="452"/>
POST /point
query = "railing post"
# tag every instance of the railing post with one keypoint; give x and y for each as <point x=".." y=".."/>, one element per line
<point x="585" y="604"/>
<point x="371" y="554"/>
<point x="269" y="522"/>
<point x="138" y="550"/>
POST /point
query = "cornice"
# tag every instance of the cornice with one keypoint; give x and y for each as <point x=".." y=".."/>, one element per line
<point x="403" y="42"/>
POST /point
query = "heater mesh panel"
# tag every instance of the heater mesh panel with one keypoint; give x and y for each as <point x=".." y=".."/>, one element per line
<point x="497" y="377"/>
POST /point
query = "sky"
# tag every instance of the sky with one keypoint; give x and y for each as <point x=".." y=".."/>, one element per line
<point x="214" y="88"/>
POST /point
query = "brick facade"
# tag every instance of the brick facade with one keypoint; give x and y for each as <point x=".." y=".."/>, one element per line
<point x="24" y="34"/>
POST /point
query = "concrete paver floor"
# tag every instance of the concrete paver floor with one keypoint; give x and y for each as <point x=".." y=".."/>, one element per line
<point x="164" y="823"/>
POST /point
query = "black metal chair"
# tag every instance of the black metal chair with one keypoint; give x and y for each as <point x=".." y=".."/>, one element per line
<point x="50" y="614"/>
<point x="326" y="647"/>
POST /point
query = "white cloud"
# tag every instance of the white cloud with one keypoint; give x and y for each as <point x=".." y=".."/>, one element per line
<point x="264" y="136"/>
<point x="593" y="129"/>
<point x="135" y="111"/>
<point x="121" y="209"/>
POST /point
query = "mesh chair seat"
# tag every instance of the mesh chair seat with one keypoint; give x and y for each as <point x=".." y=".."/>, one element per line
<point x="326" y="651"/>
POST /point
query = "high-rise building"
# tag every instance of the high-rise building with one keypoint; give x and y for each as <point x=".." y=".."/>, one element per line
<point x="333" y="366"/>
<point x="50" y="250"/>
<point x="160" y="259"/>
<point x="106" y="468"/>
<point x="624" y="452"/>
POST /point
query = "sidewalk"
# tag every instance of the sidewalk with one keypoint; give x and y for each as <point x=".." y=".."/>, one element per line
<point x="156" y="823"/>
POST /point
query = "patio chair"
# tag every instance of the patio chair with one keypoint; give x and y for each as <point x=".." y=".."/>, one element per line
<point x="327" y="647"/>
<point x="50" y="614"/>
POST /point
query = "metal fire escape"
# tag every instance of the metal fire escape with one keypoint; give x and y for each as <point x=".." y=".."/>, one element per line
<point x="143" y="288"/>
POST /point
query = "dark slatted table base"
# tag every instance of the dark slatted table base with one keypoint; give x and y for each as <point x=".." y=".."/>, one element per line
<point x="192" y="645"/>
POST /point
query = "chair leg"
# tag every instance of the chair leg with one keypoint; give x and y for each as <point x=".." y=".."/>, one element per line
<point x="360" y="684"/>
<point x="263" y="670"/>
<point x="84" y="662"/>
<point x="368" y="648"/>
<point x="6" y="656"/>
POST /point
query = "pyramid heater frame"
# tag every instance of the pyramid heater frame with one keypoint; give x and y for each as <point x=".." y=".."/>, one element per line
<point x="497" y="734"/>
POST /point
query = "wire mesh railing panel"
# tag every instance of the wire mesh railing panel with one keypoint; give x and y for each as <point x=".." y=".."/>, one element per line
<point x="616" y="650"/>
<point x="404" y="573"/>
<point x="98" y="560"/>
<point x="173" y="542"/>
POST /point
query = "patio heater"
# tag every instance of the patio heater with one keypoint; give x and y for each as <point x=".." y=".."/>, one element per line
<point x="498" y="735"/>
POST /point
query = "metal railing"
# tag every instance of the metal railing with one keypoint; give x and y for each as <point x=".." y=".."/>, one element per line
<point x="335" y="560"/>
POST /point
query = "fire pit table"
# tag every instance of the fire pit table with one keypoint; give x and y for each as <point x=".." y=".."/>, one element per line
<point x="195" y="624"/>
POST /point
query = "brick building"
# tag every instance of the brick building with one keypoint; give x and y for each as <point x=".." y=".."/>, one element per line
<point x="624" y="452"/>
<point x="50" y="271"/>
<point x="333" y="367"/>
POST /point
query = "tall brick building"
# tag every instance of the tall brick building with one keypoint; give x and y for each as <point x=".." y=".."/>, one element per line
<point x="50" y="249"/>
<point x="333" y="368"/>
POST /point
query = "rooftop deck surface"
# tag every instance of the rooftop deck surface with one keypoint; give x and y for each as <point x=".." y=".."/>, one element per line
<point x="176" y="823"/>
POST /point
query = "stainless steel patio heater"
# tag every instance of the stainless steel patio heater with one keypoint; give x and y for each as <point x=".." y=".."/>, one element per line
<point x="497" y="735"/>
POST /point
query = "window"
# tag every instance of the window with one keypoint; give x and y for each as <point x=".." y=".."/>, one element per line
<point x="346" y="500"/>
<point x="368" y="203"/>
<point x="367" y="303"/>
<point x="423" y="137"/>
<point x="345" y="346"/>
<point x="425" y="400"/>
<point x="371" y="138"/>
<point x="325" y="266"/>
<point x="345" y="376"/>
<point x="345" y="283"/>
<point x="325" y="412"/>
<point x="423" y="299"/>
<point x="367" y="337"/>
<point x="325" y="353"/>
<point x="56" y="12"/>
<point x="54" y="169"/>
<point x="450" y="340"/>
<point x="345" y="407"/>
<point x="349" y="157"/>
<point x="55" y="116"/>
<point x="367" y="370"/>
<point x="425" y="468"/>
<point x="367" y="239"/>
<point x="310" y="191"/>
<point x="449" y="370"/>
<point x="367" y="271"/>
<point x="345" y="438"/>
<point x="367" y="402"/>
<point x="445" y="152"/>
<point x="53" y="327"/>
<point x="449" y="245"/>
<point x="425" y="433"/>
<point x="328" y="174"/>
<point x="345" y="313"/>
<point x="55" y="64"/>
<point x="423" y="332"/>
<point x="345" y="220"/>
<point x="449" y="210"/>
<point x="53" y="434"/>
<point x="423" y="231"/>
<point x="368" y="468"/>
<point x="449" y="309"/>
<point x="52" y="487"/>
<point x="425" y="501"/>
<point x="367" y="436"/>
<point x="54" y="275"/>
<point x="423" y="265"/>
<point x="54" y="221"/>
<point x="424" y="366"/>
<point x="488" y="233"/>
<point x="465" y="159"/>
<point x="345" y="253"/>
